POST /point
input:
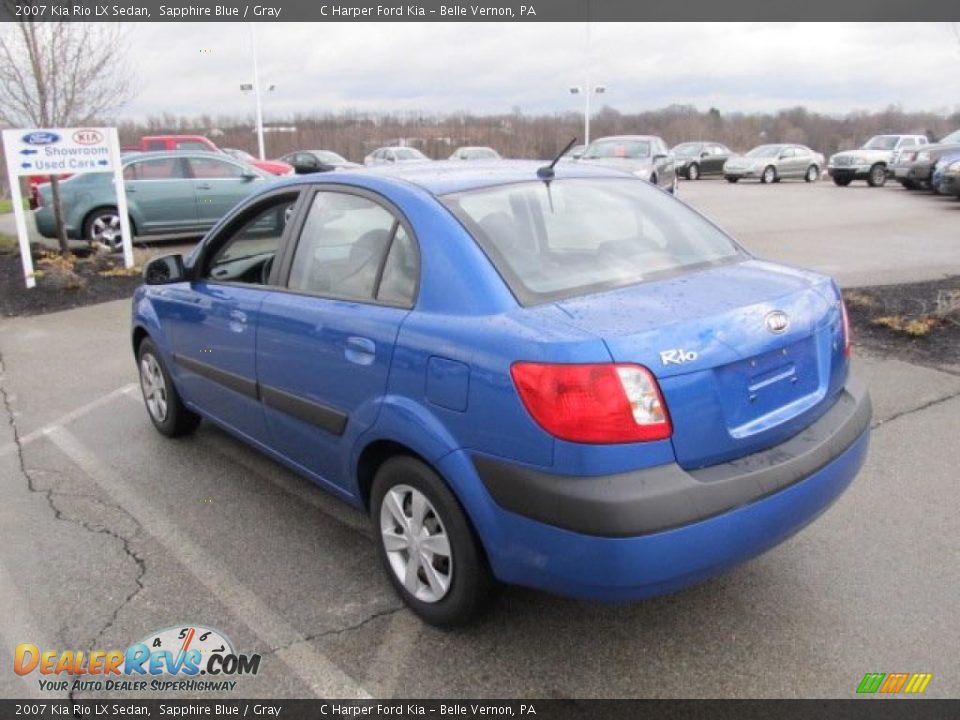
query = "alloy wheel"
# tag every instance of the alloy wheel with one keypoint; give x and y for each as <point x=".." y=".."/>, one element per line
<point x="154" y="387"/>
<point x="416" y="543"/>
<point x="106" y="229"/>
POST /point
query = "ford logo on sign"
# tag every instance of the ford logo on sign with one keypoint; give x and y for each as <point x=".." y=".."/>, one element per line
<point x="41" y="138"/>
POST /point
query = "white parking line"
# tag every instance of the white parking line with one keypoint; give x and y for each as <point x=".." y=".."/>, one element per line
<point x="69" y="417"/>
<point x="319" y="674"/>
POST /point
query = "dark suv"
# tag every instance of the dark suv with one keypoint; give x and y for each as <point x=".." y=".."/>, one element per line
<point x="914" y="168"/>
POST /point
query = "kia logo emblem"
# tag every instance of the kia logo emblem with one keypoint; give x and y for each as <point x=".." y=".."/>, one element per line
<point x="87" y="137"/>
<point x="777" y="322"/>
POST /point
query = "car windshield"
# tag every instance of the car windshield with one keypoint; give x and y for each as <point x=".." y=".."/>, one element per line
<point x="881" y="142"/>
<point x="765" y="151"/>
<point x="331" y="158"/>
<point x="618" y="149"/>
<point x="687" y="149"/>
<point x="574" y="236"/>
<point x="953" y="137"/>
<point x="409" y="154"/>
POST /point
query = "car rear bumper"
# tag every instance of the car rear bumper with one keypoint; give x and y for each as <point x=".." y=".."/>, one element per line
<point x="653" y="531"/>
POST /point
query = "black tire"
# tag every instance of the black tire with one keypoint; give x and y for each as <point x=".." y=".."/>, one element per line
<point x="178" y="420"/>
<point x="842" y="181"/>
<point x="877" y="176"/>
<point x="732" y="179"/>
<point x="813" y="174"/>
<point x="693" y="172"/>
<point x="765" y="176"/>
<point x="472" y="585"/>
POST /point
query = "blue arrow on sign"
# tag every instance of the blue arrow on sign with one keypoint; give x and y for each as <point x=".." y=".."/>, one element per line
<point x="26" y="165"/>
<point x="103" y="162"/>
<point x="27" y="151"/>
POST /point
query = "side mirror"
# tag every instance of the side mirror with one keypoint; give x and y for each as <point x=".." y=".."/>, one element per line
<point x="248" y="176"/>
<point x="659" y="156"/>
<point x="165" y="270"/>
<point x="704" y="154"/>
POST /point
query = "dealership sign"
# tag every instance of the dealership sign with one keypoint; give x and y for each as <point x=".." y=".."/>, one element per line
<point x="63" y="151"/>
<point x="58" y="152"/>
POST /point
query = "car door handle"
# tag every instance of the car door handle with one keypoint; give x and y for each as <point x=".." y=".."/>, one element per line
<point x="204" y="186"/>
<point x="360" y="350"/>
<point x="127" y="189"/>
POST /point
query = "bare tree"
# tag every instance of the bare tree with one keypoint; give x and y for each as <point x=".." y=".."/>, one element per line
<point x="59" y="74"/>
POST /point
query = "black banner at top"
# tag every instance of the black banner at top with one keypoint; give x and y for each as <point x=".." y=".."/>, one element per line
<point x="477" y="10"/>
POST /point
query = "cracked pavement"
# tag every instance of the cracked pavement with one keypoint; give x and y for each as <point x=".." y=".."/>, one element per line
<point x="112" y="532"/>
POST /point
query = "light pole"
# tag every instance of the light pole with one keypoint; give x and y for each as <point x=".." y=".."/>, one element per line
<point x="587" y="89"/>
<point x="255" y="86"/>
<point x="576" y="90"/>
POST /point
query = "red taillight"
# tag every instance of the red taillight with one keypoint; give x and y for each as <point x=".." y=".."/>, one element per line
<point x="601" y="403"/>
<point x="847" y="346"/>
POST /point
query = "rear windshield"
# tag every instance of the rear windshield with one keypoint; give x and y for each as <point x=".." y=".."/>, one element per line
<point x="575" y="236"/>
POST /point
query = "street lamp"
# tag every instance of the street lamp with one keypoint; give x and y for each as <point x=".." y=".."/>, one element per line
<point x="255" y="87"/>
<point x="577" y="90"/>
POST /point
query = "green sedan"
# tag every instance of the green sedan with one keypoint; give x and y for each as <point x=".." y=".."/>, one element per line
<point x="167" y="193"/>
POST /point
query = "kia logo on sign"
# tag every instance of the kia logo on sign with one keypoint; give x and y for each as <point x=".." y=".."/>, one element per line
<point x="87" y="137"/>
<point x="777" y="322"/>
<point x="40" y="138"/>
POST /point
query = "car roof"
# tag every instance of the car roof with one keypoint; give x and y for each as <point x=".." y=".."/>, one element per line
<point x="166" y="154"/>
<point x="441" y="177"/>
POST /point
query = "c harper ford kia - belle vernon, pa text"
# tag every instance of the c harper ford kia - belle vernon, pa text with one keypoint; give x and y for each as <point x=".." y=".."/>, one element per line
<point x="556" y="376"/>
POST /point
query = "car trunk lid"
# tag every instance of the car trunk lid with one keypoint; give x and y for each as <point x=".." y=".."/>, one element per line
<point x="735" y="380"/>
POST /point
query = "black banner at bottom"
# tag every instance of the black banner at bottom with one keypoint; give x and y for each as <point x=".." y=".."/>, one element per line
<point x="856" y="709"/>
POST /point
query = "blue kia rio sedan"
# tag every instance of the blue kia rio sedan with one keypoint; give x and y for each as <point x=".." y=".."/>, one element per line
<point x="563" y="379"/>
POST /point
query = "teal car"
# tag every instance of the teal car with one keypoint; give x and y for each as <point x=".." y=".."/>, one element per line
<point x="167" y="193"/>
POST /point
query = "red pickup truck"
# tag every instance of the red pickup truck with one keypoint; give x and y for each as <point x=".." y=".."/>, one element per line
<point x="153" y="143"/>
<point x="160" y="143"/>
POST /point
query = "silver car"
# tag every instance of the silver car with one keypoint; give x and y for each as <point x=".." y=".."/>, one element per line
<point x="772" y="163"/>
<point x="388" y="155"/>
<point x="646" y="156"/>
<point x="872" y="161"/>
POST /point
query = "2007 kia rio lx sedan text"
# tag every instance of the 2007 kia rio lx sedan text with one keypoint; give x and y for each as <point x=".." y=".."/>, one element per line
<point x="572" y="382"/>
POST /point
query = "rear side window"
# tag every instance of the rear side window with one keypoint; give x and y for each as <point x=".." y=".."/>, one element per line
<point x="158" y="169"/>
<point x="575" y="236"/>
<point x="211" y="168"/>
<point x="355" y="249"/>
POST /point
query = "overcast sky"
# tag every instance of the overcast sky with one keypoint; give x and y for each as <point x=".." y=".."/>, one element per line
<point x="195" y="68"/>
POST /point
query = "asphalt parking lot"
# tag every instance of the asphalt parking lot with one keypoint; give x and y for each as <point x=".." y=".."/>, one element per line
<point x="112" y="531"/>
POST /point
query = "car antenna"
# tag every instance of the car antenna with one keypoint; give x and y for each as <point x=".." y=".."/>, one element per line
<point x="546" y="173"/>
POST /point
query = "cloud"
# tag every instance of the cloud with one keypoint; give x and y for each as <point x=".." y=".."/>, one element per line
<point x="195" y="68"/>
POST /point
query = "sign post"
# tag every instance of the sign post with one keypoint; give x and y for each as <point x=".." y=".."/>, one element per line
<point x="63" y="151"/>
